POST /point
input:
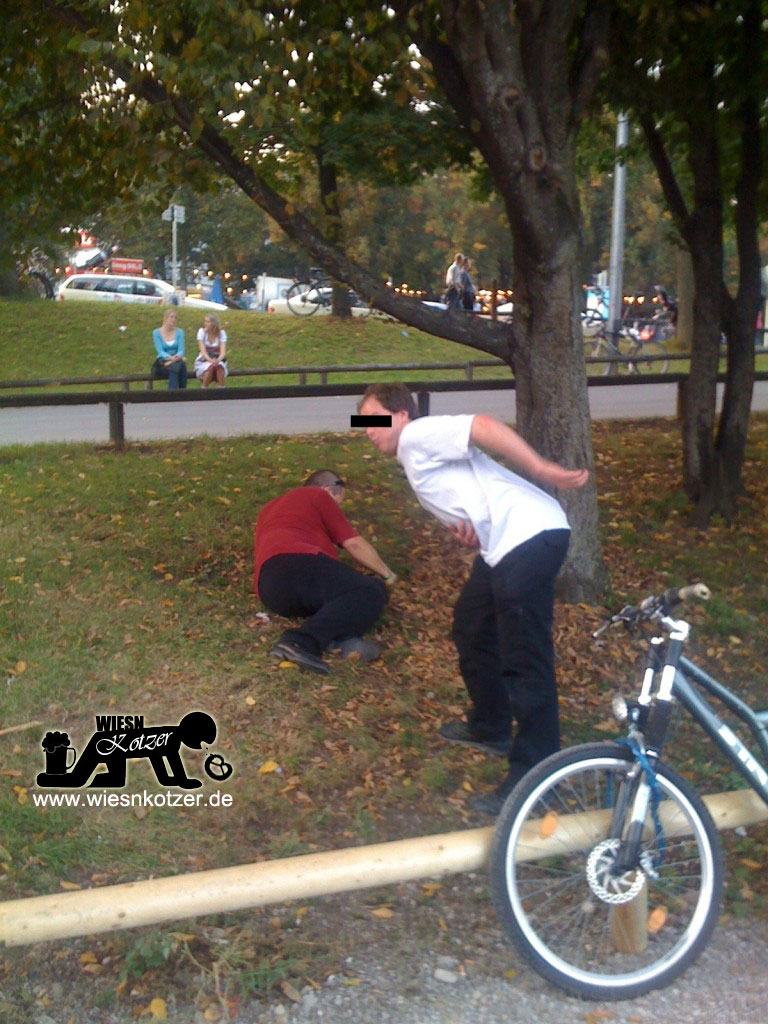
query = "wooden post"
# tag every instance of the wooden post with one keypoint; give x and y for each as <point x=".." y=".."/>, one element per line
<point x="629" y="924"/>
<point x="117" y="423"/>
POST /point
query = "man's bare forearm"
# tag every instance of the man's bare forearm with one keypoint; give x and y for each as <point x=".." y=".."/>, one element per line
<point x="502" y="440"/>
<point x="367" y="556"/>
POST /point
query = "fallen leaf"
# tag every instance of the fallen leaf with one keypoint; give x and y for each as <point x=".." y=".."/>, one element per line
<point x="268" y="767"/>
<point x="158" y="1008"/>
<point x="88" y="958"/>
<point x="548" y="825"/>
<point x="287" y="664"/>
<point x="657" y="919"/>
<point x="753" y="865"/>
<point x="383" y="911"/>
<point x="290" y="991"/>
<point x="69" y="886"/>
<point x="212" y="1013"/>
<point x="250" y="701"/>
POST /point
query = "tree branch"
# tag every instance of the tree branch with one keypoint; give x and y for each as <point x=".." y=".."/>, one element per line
<point x="667" y="178"/>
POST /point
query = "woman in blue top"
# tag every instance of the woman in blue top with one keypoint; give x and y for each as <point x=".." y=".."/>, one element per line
<point x="169" y="345"/>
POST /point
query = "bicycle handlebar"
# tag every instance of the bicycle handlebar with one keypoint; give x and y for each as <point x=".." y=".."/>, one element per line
<point x="655" y="606"/>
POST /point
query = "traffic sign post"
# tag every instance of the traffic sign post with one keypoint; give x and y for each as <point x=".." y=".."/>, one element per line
<point x="176" y="215"/>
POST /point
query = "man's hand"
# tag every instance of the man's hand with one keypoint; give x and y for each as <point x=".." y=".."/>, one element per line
<point x="465" y="534"/>
<point x="563" y="479"/>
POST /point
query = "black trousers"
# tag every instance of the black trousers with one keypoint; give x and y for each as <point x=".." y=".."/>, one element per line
<point x="502" y="628"/>
<point x="338" y="601"/>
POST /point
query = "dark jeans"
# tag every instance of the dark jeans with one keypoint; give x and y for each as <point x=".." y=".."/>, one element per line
<point x="502" y="628"/>
<point x="340" y="602"/>
<point x="175" y="374"/>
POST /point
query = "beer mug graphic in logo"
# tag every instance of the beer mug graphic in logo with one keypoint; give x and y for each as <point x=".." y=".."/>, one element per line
<point x="57" y="750"/>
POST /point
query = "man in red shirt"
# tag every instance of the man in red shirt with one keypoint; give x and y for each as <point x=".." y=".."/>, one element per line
<point x="297" y="573"/>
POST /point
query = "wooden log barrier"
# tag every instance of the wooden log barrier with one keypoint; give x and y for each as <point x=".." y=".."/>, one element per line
<point x="135" y="904"/>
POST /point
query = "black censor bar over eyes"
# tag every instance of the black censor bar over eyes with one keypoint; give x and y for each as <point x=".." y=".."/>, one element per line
<point x="370" y="421"/>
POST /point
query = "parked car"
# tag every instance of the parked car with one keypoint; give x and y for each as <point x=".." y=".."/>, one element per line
<point x="125" y="288"/>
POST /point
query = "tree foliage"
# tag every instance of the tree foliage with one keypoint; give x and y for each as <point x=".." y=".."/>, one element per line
<point x="697" y="80"/>
<point x="213" y="85"/>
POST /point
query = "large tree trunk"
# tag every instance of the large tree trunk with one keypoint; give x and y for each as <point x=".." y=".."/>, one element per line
<point x="553" y="406"/>
<point x="333" y="225"/>
<point x="517" y="81"/>
<point x="741" y="314"/>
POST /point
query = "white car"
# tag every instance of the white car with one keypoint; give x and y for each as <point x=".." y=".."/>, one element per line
<point x="125" y="288"/>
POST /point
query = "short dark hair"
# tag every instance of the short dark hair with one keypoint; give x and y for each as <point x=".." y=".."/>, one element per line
<point x="394" y="397"/>
<point x="324" y="478"/>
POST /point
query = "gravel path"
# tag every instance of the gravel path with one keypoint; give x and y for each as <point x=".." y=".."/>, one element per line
<point x="729" y="983"/>
<point x="438" y="959"/>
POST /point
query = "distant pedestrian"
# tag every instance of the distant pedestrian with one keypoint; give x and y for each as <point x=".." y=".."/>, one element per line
<point x="467" y="287"/>
<point x="169" y="345"/>
<point x="453" y="282"/>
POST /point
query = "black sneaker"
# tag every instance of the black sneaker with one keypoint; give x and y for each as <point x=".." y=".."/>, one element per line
<point x="462" y="732"/>
<point x="289" y="651"/>
<point x="492" y="803"/>
<point x="367" y="650"/>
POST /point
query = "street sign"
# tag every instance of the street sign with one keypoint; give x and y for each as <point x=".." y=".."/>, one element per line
<point x="175" y="213"/>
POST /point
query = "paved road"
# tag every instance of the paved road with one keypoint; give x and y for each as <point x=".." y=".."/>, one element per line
<point x="301" y="415"/>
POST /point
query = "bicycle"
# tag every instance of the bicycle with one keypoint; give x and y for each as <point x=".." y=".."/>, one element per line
<point x="636" y="348"/>
<point x="606" y="866"/>
<point x="305" y="297"/>
<point x="35" y="275"/>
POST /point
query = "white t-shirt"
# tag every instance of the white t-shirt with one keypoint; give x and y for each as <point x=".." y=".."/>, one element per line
<point x="457" y="482"/>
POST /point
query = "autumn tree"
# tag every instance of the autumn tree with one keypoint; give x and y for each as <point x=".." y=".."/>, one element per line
<point x="696" y="77"/>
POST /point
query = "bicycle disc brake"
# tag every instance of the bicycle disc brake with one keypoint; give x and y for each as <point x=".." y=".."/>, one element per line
<point x="610" y="888"/>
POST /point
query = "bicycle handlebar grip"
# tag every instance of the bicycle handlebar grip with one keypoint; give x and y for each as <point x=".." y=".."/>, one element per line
<point x="674" y="596"/>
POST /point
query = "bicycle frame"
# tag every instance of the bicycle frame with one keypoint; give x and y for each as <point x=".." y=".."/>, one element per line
<point x="740" y="756"/>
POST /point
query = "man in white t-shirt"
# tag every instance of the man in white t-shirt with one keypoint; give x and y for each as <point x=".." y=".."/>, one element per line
<point x="502" y="624"/>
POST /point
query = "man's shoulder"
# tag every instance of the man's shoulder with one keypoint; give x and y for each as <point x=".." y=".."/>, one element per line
<point x="430" y="432"/>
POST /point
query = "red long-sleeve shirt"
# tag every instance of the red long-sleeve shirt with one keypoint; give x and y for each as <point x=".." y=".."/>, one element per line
<point x="304" y="521"/>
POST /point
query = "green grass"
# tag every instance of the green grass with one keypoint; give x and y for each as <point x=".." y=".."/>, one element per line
<point x="83" y="339"/>
<point x="125" y="588"/>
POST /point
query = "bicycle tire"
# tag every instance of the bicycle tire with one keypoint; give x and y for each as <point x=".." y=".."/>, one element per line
<point x="601" y="348"/>
<point x="296" y="298"/>
<point x="651" y="348"/>
<point x="566" y="936"/>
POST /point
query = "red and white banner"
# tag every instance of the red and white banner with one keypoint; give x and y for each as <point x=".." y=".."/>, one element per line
<point x="125" y="266"/>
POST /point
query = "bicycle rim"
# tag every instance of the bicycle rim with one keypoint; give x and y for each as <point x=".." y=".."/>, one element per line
<point x="601" y="349"/>
<point x="297" y="301"/>
<point x="554" y="905"/>
<point x="652" y="348"/>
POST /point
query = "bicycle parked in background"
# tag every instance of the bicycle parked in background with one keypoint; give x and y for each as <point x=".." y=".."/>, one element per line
<point x="315" y="292"/>
<point x="639" y="344"/>
<point x="606" y="866"/>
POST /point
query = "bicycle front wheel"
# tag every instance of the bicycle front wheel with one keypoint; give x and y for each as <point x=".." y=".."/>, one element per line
<point x="593" y="929"/>
<point x="655" y="365"/>
<point x="302" y="298"/>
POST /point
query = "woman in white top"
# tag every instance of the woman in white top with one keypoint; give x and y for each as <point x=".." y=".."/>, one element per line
<point x="211" y="361"/>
